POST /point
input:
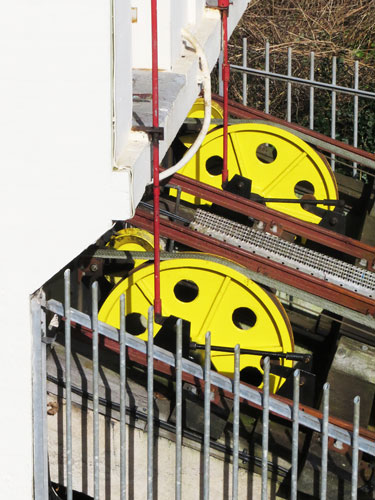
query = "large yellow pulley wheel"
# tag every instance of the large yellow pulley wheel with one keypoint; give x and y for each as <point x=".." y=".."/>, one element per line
<point x="279" y="164"/>
<point x="130" y="239"/>
<point x="197" y="111"/>
<point x="212" y="297"/>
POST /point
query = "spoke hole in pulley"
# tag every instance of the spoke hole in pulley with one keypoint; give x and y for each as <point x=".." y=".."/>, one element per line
<point x="251" y="375"/>
<point x="302" y="188"/>
<point x="244" y="318"/>
<point x="136" y="324"/>
<point x="266" y="153"/>
<point x="186" y="290"/>
<point x="214" y="165"/>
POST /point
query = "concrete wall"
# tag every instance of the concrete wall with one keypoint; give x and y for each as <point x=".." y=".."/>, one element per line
<point x="220" y="482"/>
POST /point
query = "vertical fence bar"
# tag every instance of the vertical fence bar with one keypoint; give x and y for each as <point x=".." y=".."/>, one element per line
<point x="289" y="89"/>
<point x="355" y="117"/>
<point x="95" y="381"/>
<point x="265" y="426"/>
<point x="122" y="399"/>
<point x="68" y="384"/>
<point x="39" y="400"/>
<point x="220" y="73"/>
<point x="267" y="80"/>
<point x="207" y="408"/>
<point x="296" y="381"/>
<point x="356" y="402"/>
<point x="244" y="75"/>
<point x="323" y="479"/>
<point x="333" y="109"/>
<point x="236" y="419"/>
<point x="150" y="404"/>
<point x="178" y="409"/>
<point x="312" y="77"/>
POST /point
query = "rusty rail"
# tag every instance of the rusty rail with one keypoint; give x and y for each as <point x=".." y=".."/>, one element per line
<point x="277" y="220"/>
<point x="289" y="276"/>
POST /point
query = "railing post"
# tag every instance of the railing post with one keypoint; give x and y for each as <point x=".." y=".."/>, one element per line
<point x="295" y="431"/>
<point x="289" y="90"/>
<point x="244" y="75"/>
<point x="312" y="77"/>
<point x="207" y="416"/>
<point x="267" y="80"/>
<point x="122" y="399"/>
<point x="333" y="109"/>
<point x="68" y="386"/>
<point x="265" y="425"/>
<point x="150" y="404"/>
<point x="38" y="322"/>
<point x="355" y="116"/>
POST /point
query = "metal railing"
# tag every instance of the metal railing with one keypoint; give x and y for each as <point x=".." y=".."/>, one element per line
<point x="290" y="411"/>
<point x="332" y="87"/>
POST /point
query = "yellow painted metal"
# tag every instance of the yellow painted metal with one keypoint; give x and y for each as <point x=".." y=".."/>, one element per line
<point x="197" y="111"/>
<point x="212" y="297"/>
<point x="277" y="162"/>
<point x="131" y="239"/>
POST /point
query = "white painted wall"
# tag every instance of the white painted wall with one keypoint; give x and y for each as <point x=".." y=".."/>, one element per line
<point x="58" y="189"/>
<point x="172" y="16"/>
<point x="55" y="181"/>
<point x="221" y="473"/>
<point x="122" y="66"/>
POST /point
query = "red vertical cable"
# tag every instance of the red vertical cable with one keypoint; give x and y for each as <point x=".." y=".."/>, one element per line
<point x="225" y="77"/>
<point x="155" y="156"/>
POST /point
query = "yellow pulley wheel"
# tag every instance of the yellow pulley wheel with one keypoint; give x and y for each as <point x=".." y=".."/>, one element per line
<point x="197" y="111"/>
<point x="212" y="297"/>
<point x="131" y="239"/>
<point x="279" y="164"/>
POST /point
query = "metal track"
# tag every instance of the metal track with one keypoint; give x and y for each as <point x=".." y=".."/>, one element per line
<point x="289" y="254"/>
<point x="267" y="267"/>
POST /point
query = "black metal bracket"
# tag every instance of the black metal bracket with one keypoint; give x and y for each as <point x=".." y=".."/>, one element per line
<point x="156" y="133"/>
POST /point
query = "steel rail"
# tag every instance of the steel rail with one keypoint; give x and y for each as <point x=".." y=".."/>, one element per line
<point x="259" y="264"/>
<point x="164" y="362"/>
<point x="302" y="81"/>
<point x="195" y="124"/>
<point x="277" y="221"/>
<point x="320" y="140"/>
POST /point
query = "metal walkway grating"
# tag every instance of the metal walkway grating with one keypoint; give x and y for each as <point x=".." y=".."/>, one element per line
<point x="289" y="254"/>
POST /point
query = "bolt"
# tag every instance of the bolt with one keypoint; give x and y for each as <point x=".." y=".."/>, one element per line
<point x="94" y="268"/>
<point x="333" y="221"/>
<point x="339" y="445"/>
<point x="364" y="348"/>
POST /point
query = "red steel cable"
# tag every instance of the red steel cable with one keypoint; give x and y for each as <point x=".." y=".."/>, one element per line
<point x="155" y="156"/>
<point x="225" y="77"/>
